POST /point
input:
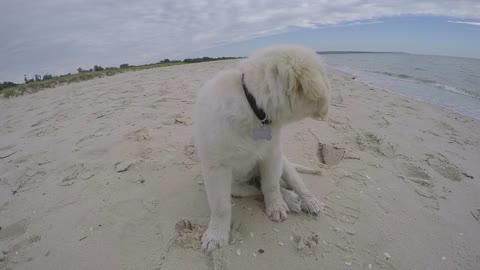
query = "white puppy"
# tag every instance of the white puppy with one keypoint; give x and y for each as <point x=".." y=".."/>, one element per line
<point x="238" y="118"/>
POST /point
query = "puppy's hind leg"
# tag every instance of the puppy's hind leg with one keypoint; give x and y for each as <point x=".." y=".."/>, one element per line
<point x="307" y="170"/>
<point x="218" y="182"/>
<point x="252" y="189"/>
<point x="309" y="204"/>
<point x="292" y="200"/>
<point x="242" y="190"/>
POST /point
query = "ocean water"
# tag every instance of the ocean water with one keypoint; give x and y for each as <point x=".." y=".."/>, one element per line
<point x="450" y="82"/>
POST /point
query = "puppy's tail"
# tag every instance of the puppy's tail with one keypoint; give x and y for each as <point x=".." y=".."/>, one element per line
<point x="306" y="170"/>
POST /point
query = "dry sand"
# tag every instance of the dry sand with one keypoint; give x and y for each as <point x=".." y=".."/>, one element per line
<point x="101" y="174"/>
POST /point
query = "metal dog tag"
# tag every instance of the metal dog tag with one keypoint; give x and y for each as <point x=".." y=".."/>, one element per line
<point x="262" y="133"/>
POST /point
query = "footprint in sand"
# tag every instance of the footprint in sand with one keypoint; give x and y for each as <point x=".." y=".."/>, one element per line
<point x="29" y="180"/>
<point x="422" y="183"/>
<point x="403" y="104"/>
<point x="145" y="153"/>
<point x="13" y="230"/>
<point x="445" y="168"/>
<point x="26" y="241"/>
<point x="15" y="234"/>
<point x="448" y="128"/>
<point x="7" y="151"/>
<point x="350" y="181"/>
<point x="368" y="141"/>
<point x="177" y="118"/>
<point x="380" y="120"/>
<point x="191" y="152"/>
<point x="41" y="121"/>
<point x="308" y="243"/>
<point x="184" y="248"/>
<point x="416" y="174"/>
<point x="86" y="138"/>
<point x="140" y="135"/>
<point x="340" y="124"/>
<point x="71" y="173"/>
<point x="36" y="132"/>
<point x="428" y="197"/>
<point x="183" y="121"/>
<point x="102" y="114"/>
<point x="158" y="103"/>
<point x="188" y="234"/>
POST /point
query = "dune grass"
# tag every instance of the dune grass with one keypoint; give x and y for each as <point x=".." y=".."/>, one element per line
<point x="35" y="86"/>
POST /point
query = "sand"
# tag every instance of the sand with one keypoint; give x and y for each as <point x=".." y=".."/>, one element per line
<point x="102" y="174"/>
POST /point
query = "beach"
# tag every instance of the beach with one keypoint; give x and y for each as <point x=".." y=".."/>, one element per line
<point x="102" y="174"/>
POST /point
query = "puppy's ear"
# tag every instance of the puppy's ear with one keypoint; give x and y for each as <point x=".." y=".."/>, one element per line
<point x="314" y="86"/>
<point x="299" y="87"/>
<point x="291" y="80"/>
<point x="322" y="111"/>
<point x="310" y="84"/>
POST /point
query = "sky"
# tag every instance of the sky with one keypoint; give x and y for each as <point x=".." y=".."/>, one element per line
<point x="58" y="36"/>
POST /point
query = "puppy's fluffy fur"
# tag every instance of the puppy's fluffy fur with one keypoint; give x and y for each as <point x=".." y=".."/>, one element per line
<point x="289" y="84"/>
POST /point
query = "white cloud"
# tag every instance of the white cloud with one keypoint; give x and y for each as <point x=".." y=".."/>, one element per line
<point x="66" y="34"/>
<point x="199" y="37"/>
<point x="470" y="23"/>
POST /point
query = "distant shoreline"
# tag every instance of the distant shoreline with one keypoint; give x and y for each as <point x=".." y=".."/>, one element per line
<point x="357" y="52"/>
<point x="11" y="89"/>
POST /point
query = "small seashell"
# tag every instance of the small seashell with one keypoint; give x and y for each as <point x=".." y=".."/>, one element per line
<point x="348" y="263"/>
<point x="387" y="255"/>
<point x="281" y="244"/>
<point x="239" y="252"/>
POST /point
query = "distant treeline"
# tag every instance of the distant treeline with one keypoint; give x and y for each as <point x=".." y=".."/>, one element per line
<point x="48" y="80"/>
<point x="206" y="59"/>
<point x="7" y="85"/>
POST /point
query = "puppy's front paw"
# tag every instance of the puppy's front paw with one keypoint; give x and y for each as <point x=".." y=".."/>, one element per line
<point x="213" y="239"/>
<point x="277" y="210"/>
<point x="311" y="205"/>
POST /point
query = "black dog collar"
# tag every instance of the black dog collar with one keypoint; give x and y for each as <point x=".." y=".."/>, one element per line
<point x="251" y="100"/>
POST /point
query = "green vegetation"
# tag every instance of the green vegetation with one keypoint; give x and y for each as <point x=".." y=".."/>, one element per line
<point x="9" y="92"/>
<point x="10" y="89"/>
<point x="7" y="85"/>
